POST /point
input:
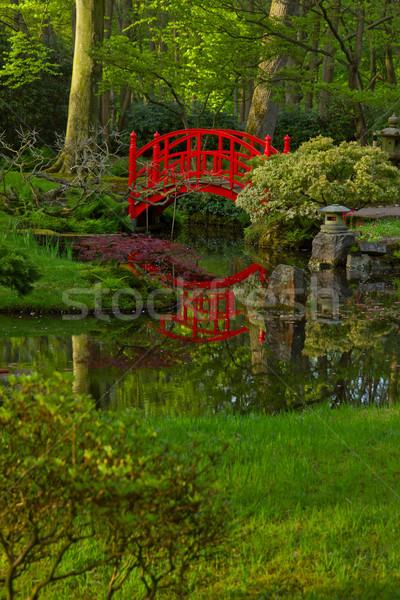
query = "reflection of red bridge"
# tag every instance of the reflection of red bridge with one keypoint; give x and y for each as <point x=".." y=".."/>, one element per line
<point x="207" y="308"/>
<point x="202" y="160"/>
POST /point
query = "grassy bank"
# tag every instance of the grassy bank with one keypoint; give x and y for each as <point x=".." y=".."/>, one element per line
<point x="317" y="496"/>
<point x="59" y="273"/>
<point x="68" y="286"/>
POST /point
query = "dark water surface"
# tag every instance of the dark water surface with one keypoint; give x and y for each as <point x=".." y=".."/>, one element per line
<point x="231" y="348"/>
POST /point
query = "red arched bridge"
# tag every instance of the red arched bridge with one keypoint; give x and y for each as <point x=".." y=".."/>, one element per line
<point x="203" y="160"/>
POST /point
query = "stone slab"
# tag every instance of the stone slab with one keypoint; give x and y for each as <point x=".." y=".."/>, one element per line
<point x="372" y="248"/>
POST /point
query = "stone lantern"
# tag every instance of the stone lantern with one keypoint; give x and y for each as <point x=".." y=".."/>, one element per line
<point x="391" y="139"/>
<point x="333" y="219"/>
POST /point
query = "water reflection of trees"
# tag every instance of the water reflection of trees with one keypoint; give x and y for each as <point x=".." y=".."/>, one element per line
<point x="199" y="378"/>
<point x="300" y="360"/>
<point x="353" y="362"/>
<point x="45" y="353"/>
<point x="360" y="354"/>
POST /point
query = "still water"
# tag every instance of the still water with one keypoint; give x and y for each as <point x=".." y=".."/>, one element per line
<point x="261" y="338"/>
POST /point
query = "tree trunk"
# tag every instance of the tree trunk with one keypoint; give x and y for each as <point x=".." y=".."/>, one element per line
<point x="390" y="70"/>
<point x="106" y="96"/>
<point x="19" y="23"/>
<point x="293" y="94"/>
<point x="313" y="67"/>
<point x="372" y="65"/>
<point x="264" y="111"/>
<point x="124" y="21"/>
<point x="80" y="358"/>
<point x="353" y="77"/>
<point x="84" y="103"/>
<point x="328" y="65"/>
<point x="293" y="91"/>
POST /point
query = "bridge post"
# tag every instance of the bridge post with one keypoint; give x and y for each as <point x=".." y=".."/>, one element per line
<point x="156" y="153"/>
<point x="286" y="147"/>
<point x="268" y="150"/>
<point x="198" y="157"/>
<point x="132" y="159"/>
<point x="231" y="163"/>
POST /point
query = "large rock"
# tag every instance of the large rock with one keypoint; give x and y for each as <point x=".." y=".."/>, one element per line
<point x="330" y="250"/>
<point x="287" y="287"/>
<point x="358" y="266"/>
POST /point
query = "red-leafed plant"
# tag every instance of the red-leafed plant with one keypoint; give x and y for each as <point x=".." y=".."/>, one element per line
<point x="150" y="254"/>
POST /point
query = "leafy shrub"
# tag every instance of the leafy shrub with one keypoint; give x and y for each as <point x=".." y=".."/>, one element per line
<point x="17" y="271"/>
<point x="207" y="205"/>
<point x="318" y="174"/>
<point x="71" y="477"/>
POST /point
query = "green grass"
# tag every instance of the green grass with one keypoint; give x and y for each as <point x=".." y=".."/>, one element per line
<point x="67" y="286"/>
<point x="59" y="274"/>
<point x="373" y="231"/>
<point x="317" y="496"/>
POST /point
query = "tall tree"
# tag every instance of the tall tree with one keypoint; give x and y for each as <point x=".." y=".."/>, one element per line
<point x="84" y="100"/>
<point x="264" y="111"/>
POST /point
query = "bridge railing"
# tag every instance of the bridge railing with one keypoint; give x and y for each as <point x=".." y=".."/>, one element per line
<point x="203" y="159"/>
<point x="181" y="156"/>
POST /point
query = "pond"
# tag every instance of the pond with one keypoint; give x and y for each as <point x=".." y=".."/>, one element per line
<point x="243" y="345"/>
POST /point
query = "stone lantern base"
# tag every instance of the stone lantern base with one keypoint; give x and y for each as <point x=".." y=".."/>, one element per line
<point x="330" y="250"/>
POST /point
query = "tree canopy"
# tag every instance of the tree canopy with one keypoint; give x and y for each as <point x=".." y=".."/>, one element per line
<point x="201" y="56"/>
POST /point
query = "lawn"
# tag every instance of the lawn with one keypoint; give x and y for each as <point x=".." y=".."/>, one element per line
<point x="316" y="496"/>
<point x="373" y="231"/>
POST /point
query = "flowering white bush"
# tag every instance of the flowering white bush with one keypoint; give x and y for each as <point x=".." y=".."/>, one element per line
<point x="319" y="174"/>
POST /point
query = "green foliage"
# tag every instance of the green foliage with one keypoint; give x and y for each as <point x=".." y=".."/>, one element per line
<point x="338" y="124"/>
<point x="120" y="167"/>
<point x="40" y="104"/>
<point x="184" y="53"/>
<point x="146" y="119"/>
<point x="72" y="477"/>
<point x="26" y="60"/>
<point x="17" y="270"/>
<point x="116" y="278"/>
<point x="318" y="174"/>
<point x="195" y="206"/>
<point x="275" y="230"/>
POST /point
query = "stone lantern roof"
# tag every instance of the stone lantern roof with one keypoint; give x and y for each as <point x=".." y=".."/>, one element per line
<point x="393" y="121"/>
